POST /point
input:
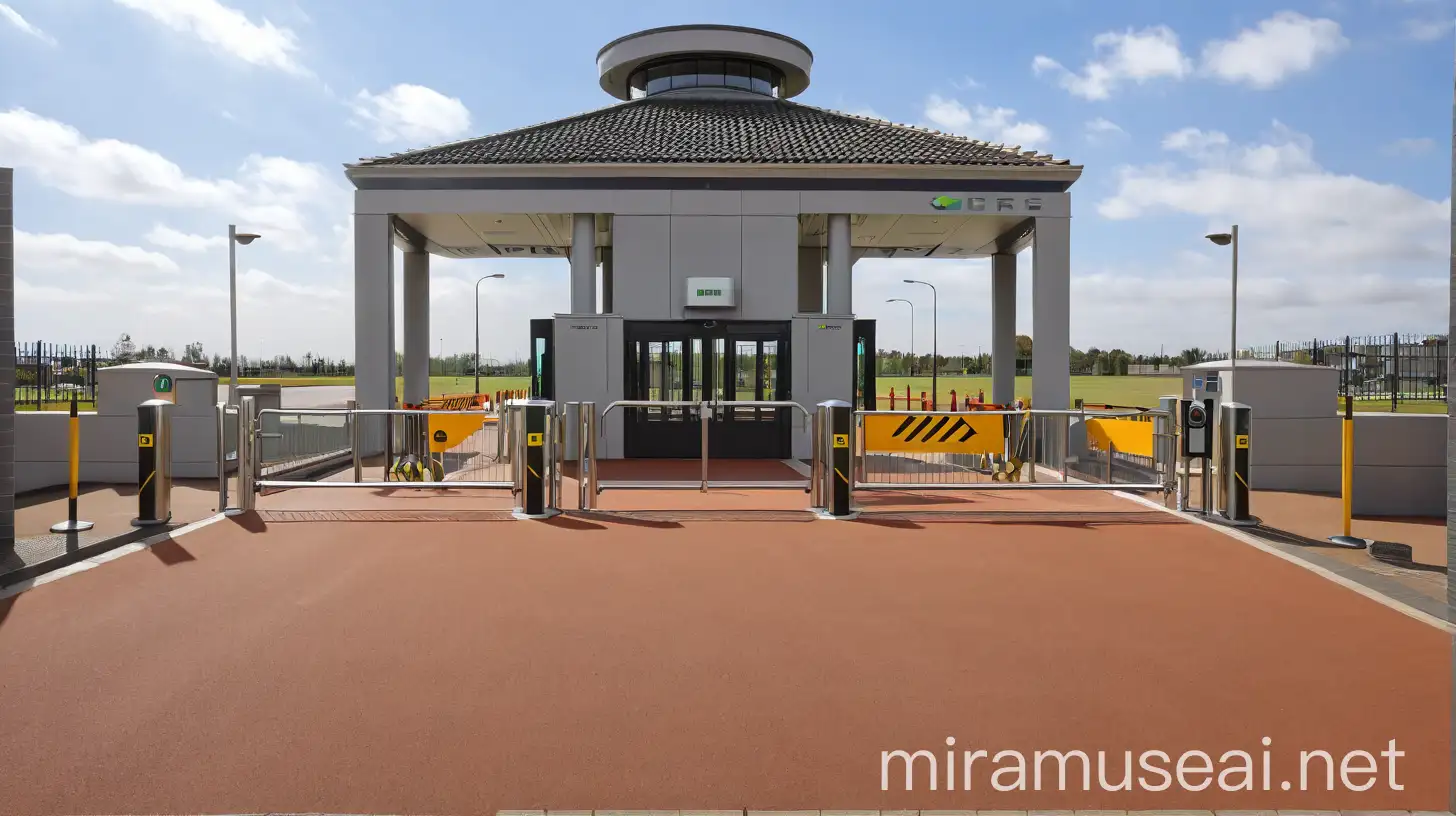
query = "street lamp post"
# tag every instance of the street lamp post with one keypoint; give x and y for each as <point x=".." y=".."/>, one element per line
<point x="912" y="331"/>
<point x="234" y="238"/>
<point x="1225" y="239"/>
<point x="477" y="326"/>
<point x="934" y="342"/>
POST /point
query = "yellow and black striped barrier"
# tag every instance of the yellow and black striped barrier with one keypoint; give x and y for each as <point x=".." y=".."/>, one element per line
<point x="72" y="524"/>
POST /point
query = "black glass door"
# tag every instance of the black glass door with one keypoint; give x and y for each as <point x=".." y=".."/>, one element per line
<point x="719" y="362"/>
<point x="754" y="362"/>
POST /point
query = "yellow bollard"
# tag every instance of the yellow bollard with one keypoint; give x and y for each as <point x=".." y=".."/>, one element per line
<point x="72" y="524"/>
<point x="1347" y="480"/>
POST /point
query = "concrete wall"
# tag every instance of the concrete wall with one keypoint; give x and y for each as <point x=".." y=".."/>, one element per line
<point x="1400" y="465"/>
<point x="589" y="361"/>
<point x="108" y="435"/>
<point x="7" y="358"/>
<point x="822" y="367"/>
<point x="1295" y="443"/>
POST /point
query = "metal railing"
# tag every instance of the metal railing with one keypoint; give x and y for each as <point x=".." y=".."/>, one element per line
<point x="707" y="411"/>
<point x="1047" y="438"/>
<point x="473" y="461"/>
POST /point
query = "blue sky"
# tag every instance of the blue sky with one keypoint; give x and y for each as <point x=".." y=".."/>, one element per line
<point x="141" y="128"/>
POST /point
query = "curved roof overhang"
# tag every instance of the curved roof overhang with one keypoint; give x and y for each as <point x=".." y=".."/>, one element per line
<point x="620" y="57"/>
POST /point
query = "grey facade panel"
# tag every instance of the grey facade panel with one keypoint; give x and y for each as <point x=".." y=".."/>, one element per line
<point x="642" y="267"/>
<point x="770" y="269"/>
<point x="705" y="246"/>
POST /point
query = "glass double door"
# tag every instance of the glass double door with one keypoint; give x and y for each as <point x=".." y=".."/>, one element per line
<point x="719" y="362"/>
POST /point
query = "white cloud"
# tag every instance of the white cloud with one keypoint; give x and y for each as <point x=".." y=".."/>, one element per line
<point x="1195" y="142"/>
<point x="13" y="17"/>
<point x="164" y="236"/>
<point x="51" y="254"/>
<point x="269" y="194"/>
<point x="413" y="114"/>
<point x="1428" y="30"/>
<point x="1283" y="45"/>
<point x="1310" y="239"/>
<point x="995" y="125"/>
<point x="1103" y="128"/>
<point x="1129" y="56"/>
<point x="262" y="44"/>
<point x="1410" y="147"/>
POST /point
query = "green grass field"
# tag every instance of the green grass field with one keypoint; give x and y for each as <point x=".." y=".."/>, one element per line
<point x="1141" y="392"/>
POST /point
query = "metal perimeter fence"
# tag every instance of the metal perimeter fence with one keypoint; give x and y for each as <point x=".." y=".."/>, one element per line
<point x="47" y="375"/>
<point x="1390" y="367"/>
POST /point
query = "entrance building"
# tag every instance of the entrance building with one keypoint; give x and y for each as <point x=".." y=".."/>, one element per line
<point x="712" y="226"/>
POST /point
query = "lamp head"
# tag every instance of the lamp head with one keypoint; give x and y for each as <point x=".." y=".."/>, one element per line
<point x="246" y="238"/>
<point x="497" y="275"/>
<point x="1220" y="238"/>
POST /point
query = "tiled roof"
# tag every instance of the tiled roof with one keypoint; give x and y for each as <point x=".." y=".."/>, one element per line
<point x="680" y="129"/>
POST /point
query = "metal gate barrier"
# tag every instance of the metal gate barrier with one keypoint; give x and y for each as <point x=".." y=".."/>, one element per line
<point x="417" y="448"/>
<point x="523" y="450"/>
<point x="1002" y="450"/>
<point x="708" y="412"/>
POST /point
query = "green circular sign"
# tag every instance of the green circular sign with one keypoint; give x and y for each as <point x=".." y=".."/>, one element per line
<point x="162" y="383"/>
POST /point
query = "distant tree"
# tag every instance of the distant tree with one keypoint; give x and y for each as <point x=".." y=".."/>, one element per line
<point x="1023" y="346"/>
<point x="194" y="354"/>
<point x="124" y="350"/>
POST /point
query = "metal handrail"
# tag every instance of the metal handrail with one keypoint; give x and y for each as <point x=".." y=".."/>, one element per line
<point x="705" y="410"/>
<point x="711" y="404"/>
<point x="1151" y="412"/>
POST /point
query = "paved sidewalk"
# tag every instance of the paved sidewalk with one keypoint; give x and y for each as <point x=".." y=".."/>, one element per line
<point x="110" y="507"/>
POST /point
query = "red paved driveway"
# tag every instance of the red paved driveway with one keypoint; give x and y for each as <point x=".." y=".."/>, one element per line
<point x="465" y="667"/>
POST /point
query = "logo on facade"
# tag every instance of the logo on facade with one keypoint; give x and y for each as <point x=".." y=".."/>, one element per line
<point x="945" y="203"/>
<point x="829" y="327"/>
<point x="584" y="327"/>
<point x="710" y="293"/>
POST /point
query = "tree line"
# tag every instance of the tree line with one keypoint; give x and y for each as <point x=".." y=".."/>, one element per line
<point x="893" y="362"/>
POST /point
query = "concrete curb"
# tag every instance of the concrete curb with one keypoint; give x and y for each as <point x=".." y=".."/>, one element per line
<point x="124" y="546"/>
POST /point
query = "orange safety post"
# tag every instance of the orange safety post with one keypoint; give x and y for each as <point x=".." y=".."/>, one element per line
<point x="892" y="398"/>
<point x="924" y="402"/>
<point x="952" y="399"/>
<point x="981" y="395"/>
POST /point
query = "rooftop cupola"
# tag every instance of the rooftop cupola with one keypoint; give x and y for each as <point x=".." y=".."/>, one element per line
<point x="692" y="57"/>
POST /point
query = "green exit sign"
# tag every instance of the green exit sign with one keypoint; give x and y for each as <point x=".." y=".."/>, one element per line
<point x="710" y="293"/>
<point x="162" y="384"/>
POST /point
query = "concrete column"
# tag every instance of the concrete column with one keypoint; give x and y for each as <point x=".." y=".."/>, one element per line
<point x="7" y="359"/>
<point x="584" y="263"/>
<point x="1051" y="310"/>
<point x="606" y="253"/>
<point x="839" y="282"/>
<point x="1003" y="329"/>
<point x="416" y="327"/>
<point x="811" y="280"/>
<point x="374" y="362"/>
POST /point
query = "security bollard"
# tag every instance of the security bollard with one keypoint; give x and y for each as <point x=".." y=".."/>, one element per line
<point x="247" y="454"/>
<point x="837" y="431"/>
<point x="1235" y="426"/>
<point x="72" y="524"/>
<point x="154" y="463"/>
<point x="534" y="452"/>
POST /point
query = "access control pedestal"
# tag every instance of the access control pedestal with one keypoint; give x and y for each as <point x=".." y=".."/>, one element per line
<point x="154" y="463"/>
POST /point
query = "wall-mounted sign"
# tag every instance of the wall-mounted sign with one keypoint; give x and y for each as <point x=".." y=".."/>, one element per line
<point x="710" y="293"/>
